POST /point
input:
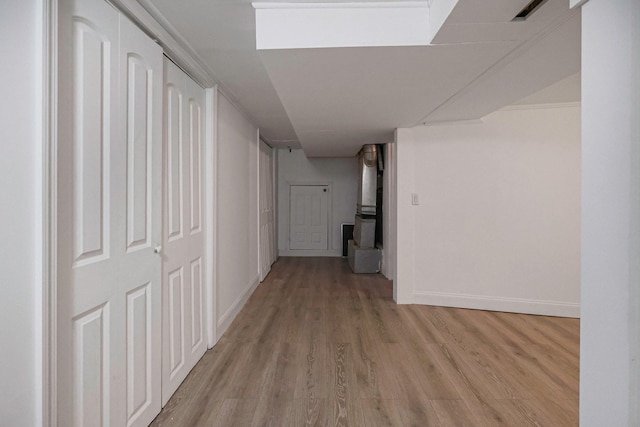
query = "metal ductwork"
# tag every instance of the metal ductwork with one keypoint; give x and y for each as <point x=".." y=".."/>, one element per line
<point x="368" y="179"/>
<point x="363" y="255"/>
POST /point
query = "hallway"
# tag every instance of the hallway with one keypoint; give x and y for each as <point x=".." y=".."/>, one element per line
<point x="317" y="345"/>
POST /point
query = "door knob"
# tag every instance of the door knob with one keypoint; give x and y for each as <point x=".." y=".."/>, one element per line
<point x="157" y="249"/>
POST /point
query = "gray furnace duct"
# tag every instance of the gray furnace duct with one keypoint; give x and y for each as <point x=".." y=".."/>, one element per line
<point x="362" y="254"/>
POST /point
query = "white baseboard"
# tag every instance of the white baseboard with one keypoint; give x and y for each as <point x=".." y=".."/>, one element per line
<point x="329" y="253"/>
<point x="512" y="305"/>
<point x="232" y="312"/>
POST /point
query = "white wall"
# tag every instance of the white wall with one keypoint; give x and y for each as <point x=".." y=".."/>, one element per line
<point x="237" y="212"/>
<point x="610" y="322"/>
<point x="498" y="221"/>
<point x="389" y="212"/>
<point x="340" y="172"/>
<point x="20" y="193"/>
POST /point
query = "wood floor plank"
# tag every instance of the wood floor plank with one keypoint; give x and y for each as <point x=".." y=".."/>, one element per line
<point x="233" y="412"/>
<point x="417" y="413"/>
<point x="482" y="378"/>
<point x="435" y="373"/>
<point x="337" y="320"/>
<point x="501" y="332"/>
<point x="344" y="397"/>
<point x="316" y="345"/>
<point x="525" y="378"/>
<point x="373" y="376"/>
<point x="539" y="332"/>
<point x="310" y="412"/>
<point x="312" y="362"/>
<point x="552" y="382"/>
<point x="380" y="413"/>
<point x="424" y="329"/>
<point x="376" y="325"/>
<point x="456" y="413"/>
<point x="537" y="412"/>
<point x="204" y="388"/>
<point x="272" y="412"/>
<point x="408" y="381"/>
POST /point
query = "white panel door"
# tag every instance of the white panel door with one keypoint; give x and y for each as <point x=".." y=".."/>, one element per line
<point x="308" y="217"/>
<point x="183" y="264"/>
<point x="267" y="218"/>
<point x="109" y="291"/>
<point x="141" y="108"/>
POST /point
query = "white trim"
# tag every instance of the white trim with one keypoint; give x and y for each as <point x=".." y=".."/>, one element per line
<point x="512" y="107"/>
<point x="540" y="106"/>
<point x="211" y="186"/>
<point x="274" y="211"/>
<point x="577" y="3"/>
<point x="261" y="274"/>
<point x="352" y="5"/>
<point x="268" y="247"/>
<point x="192" y="59"/>
<point x="150" y="20"/>
<point x="493" y="303"/>
<point x="236" y="105"/>
<point x="232" y="312"/>
<point x="308" y="253"/>
<point x="173" y="44"/>
<point x="263" y="139"/>
<point x="49" y="195"/>
<point x="147" y="16"/>
<point x="387" y="267"/>
<point x="314" y="24"/>
<point x="454" y="123"/>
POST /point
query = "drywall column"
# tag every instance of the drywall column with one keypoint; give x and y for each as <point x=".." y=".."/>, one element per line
<point x="20" y="216"/>
<point x="389" y="209"/>
<point x="404" y="265"/>
<point x="237" y="272"/>
<point x="610" y="213"/>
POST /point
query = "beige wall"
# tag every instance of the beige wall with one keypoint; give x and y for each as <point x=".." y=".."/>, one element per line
<point x="498" y="221"/>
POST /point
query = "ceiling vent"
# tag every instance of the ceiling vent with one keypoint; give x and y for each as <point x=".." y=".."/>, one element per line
<point x="528" y="10"/>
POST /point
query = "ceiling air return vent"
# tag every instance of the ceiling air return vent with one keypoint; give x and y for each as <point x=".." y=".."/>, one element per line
<point x="528" y="10"/>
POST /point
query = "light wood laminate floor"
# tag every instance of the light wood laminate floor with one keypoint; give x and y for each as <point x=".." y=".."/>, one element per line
<point x="317" y="345"/>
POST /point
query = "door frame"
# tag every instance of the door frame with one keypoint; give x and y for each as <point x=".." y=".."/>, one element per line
<point x="296" y="252"/>
<point x="211" y="213"/>
<point x="47" y="199"/>
<point x="48" y="122"/>
<point x="273" y="207"/>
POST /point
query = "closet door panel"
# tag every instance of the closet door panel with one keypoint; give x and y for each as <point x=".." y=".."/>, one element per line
<point x="183" y="267"/>
<point x="109" y="161"/>
<point x="88" y="299"/>
<point x="141" y="107"/>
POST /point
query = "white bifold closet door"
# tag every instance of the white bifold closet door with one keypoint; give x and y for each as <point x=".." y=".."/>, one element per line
<point x="109" y="212"/>
<point x="184" y="317"/>
<point x="267" y="213"/>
